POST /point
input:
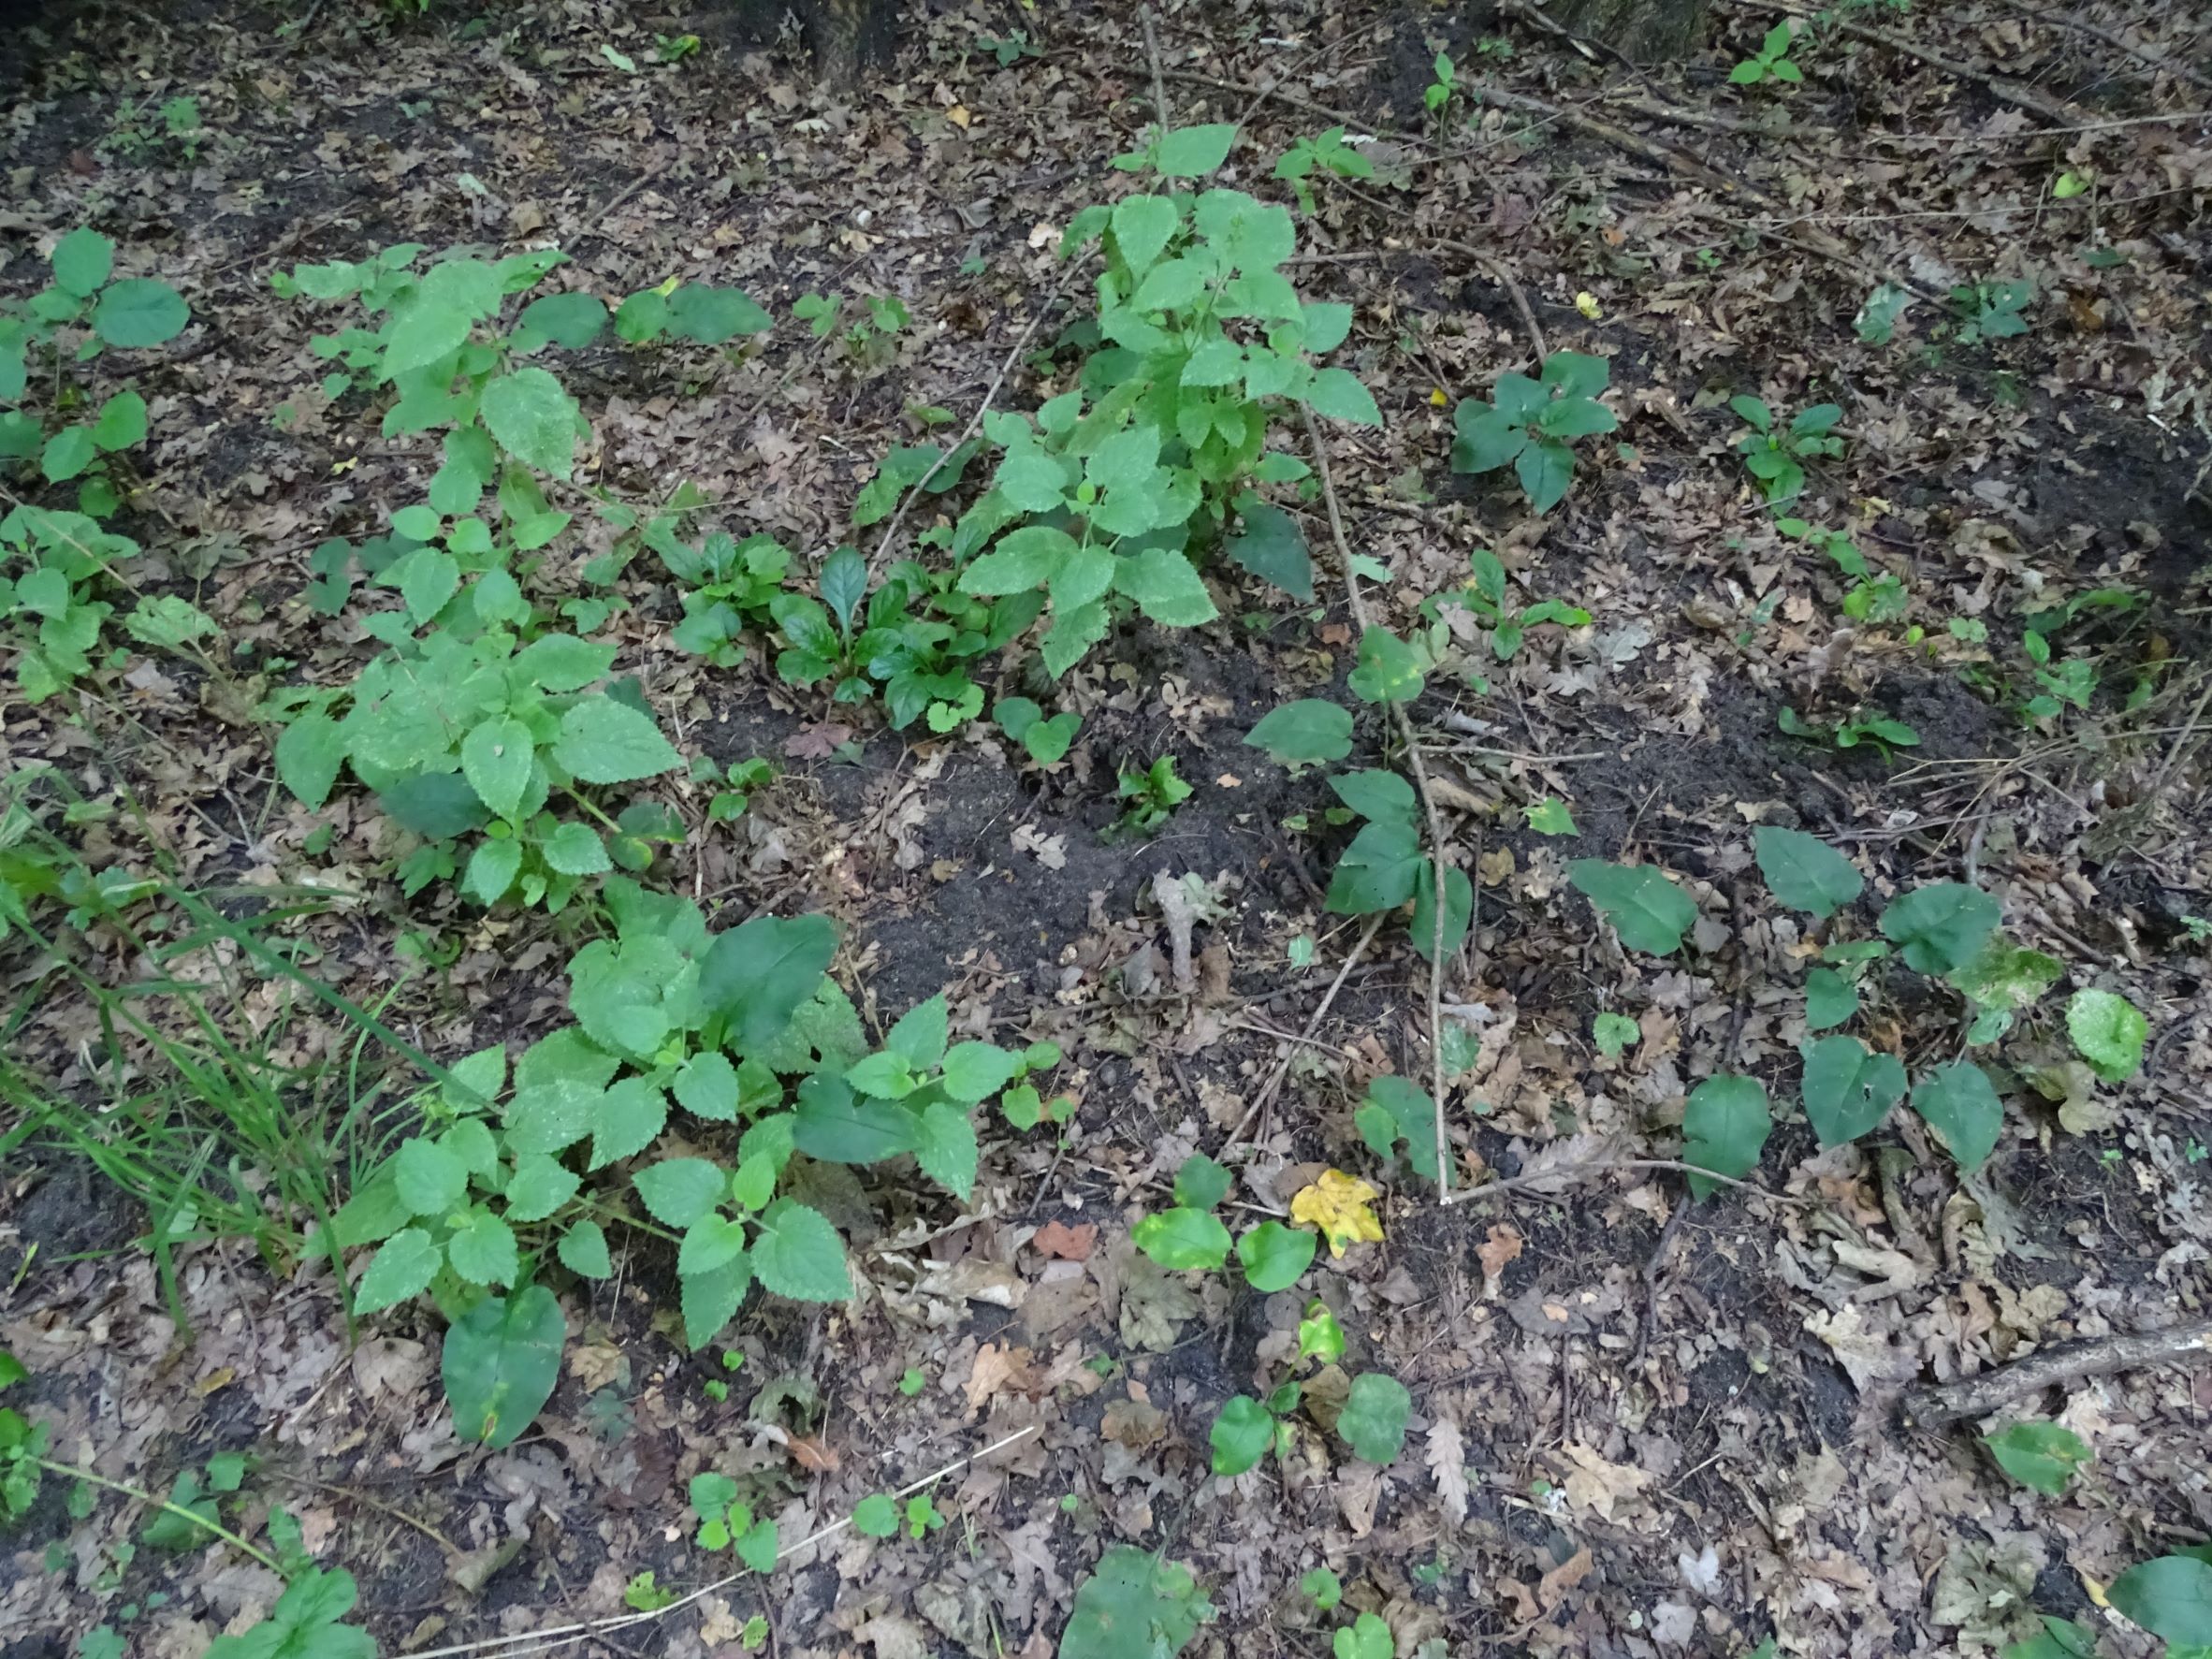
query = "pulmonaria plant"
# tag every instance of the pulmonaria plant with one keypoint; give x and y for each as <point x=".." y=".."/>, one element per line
<point x="1107" y="499"/>
<point x="1531" y="425"/>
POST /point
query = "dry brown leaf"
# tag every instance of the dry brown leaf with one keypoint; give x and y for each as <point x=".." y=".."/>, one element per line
<point x="997" y="1368"/>
<point x="1069" y="1243"/>
<point x="1448" y="1463"/>
<point x="1596" y="1484"/>
<point x="1503" y="1247"/>
<point x="1551" y="1589"/>
<point x="812" y="1454"/>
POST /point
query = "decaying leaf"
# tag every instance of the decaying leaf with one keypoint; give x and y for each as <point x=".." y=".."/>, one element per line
<point x="1338" y="1205"/>
<point x="1447" y="1457"/>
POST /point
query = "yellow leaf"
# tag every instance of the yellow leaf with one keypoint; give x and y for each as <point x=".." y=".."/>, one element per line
<point x="1437" y="396"/>
<point x="2095" y="1588"/>
<point x="668" y="288"/>
<point x="1338" y="1205"/>
<point x="959" y="116"/>
<point x="1586" y="302"/>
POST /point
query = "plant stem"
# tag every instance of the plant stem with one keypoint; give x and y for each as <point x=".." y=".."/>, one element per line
<point x="163" y="1504"/>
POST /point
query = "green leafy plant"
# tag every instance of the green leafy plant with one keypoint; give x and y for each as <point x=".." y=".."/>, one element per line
<point x="1135" y="1605"/>
<point x="1366" y="1637"/>
<point x="725" y="1522"/>
<point x="1989" y="311"/>
<point x="84" y="311"/>
<point x="1877" y="319"/>
<point x="1310" y="732"/>
<point x="1873" y="597"/>
<point x="1878" y="730"/>
<point x="1102" y="501"/>
<point x="2042" y="1455"/>
<point x="1531" y="425"/>
<point x="1321" y="1587"/>
<point x="305" y="1624"/>
<point x="1325" y="152"/>
<point x="1725" y="1123"/>
<point x="1775" y="455"/>
<point x="1485" y="596"/>
<point x="1437" y="97"/>
<point x="1046" y="740"/>
<point x="1771" y="62"/>
<point x="869" y="341"/>
<point x="1613" y="1032"/>
<point x="1152" y="794"/>
<point x="1384" y="868"/>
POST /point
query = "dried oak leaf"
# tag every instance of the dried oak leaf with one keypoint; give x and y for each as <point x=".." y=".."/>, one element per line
<point x="1069" y="1243"/>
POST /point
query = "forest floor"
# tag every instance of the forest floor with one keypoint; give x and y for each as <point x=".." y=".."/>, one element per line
<point x="1639" y="1425"/>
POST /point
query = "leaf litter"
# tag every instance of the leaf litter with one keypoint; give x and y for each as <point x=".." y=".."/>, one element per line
<point x="1617" y="1446"/>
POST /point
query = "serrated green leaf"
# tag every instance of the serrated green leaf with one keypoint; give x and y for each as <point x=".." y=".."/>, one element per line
<point x="605" y="741"/>
<point x="575" y="849"/>
<point x="430" y="1180"/>
<point x="309" y="753"/>
<point x="533" y="418"/>
<point x="483" y="1251"/>
<point x="1388" y="672"/>
<point x="538" y="1188"/>
<point x="946" y="1149"/>
<point x="496" y="758"/>
<point x="679" y="1190"/>
<point x="798" y="1253"/>
<point x="403" y="1269"/>
<point x="583" y="1251"/>
<point x="82" y="261"/>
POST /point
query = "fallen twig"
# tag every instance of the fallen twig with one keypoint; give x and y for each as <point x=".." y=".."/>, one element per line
<point x="561" y="1636"/>
<point x="1977" y="1396"/>
<point x="1257" y="1112"/>
<point x="1503" y="275"/>
<point x="1537" y="1182"/>
<point x="974" y="425"/>
<point x="1440" y="897"/>
<point x="2141" y="54"/>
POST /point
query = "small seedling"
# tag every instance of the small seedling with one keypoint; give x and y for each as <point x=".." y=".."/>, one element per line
<point x="1047" y="741"/>
<point x="1530" y="424"/>
<point x="1879" y="730"/>
<point x="1613" y="1033"/>
<point x="1152" y="795"/>
<point x="912" y="1381"/>
<point x="1773" y="454"/>
<point x="1771" y="62"/>
<point x="1486" y="597"/>
<point x="1989" y="311"/>
<point x="1439" y="94"/>
<point x="1325" y="153"/>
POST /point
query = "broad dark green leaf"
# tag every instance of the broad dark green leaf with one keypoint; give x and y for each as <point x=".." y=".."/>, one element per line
<point x="1240" y="1434"/>
<point x="1650" y="912"/>
<point x="500" y="1361"/>
<point x="1848" y="1089"/>
<point x="1724" y="1126"/>
<point x="1268" y="543"/>
<point x="1182" y="1238"/>
<point x="1804" y="872"/>
<point x="1274" y="1256"/>
<point x="2038" y="1454"/>
<point x="756" y="975"/>
<point x="1960" y="1105"/>
<point x="1940" y="927"/>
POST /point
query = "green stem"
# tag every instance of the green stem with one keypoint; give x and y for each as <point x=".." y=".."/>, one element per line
<point x="176" y="1509"/>
<point x="608" y="1212"/>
